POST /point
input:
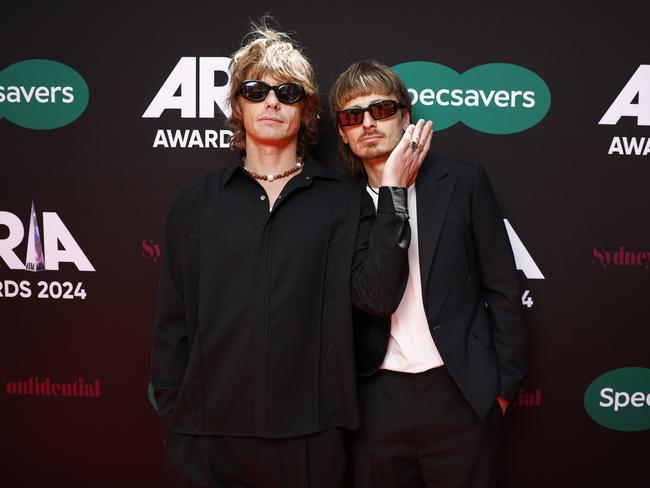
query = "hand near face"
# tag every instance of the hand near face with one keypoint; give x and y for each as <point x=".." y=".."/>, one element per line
<point x="405" y="160"/>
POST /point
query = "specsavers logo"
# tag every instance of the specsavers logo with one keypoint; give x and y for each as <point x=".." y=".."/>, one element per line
<point x="496" y="98"/>
<point x="42" y="94"/>
<point x="620" y="399"/>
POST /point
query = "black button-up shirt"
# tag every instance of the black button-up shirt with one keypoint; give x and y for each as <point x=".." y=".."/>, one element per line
<point x="253" y="329"/>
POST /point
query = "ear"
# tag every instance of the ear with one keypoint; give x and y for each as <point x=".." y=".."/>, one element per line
<point x="406" y="118"/>
<point x="343" y="135"/>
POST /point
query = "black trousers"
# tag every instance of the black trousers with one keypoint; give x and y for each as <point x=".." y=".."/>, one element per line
<point x="417" y="430"/>
<point x="311" y="461"/>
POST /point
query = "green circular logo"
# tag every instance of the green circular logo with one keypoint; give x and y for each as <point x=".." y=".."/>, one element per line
<point x="496" y="98"/>
<point x="42" y="94"/>
<point x="620" y="399"/>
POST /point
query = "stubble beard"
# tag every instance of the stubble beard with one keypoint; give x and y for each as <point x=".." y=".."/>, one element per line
<point x="373" y="153"/>
<point x="376" y="151"/>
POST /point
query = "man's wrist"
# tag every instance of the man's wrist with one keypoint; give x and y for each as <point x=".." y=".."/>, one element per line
<point x="392" y="199"/>
<point x="391" y="182"/>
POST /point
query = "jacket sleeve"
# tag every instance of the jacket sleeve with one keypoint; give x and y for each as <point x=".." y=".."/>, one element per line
<point x="170" y="351"/>
<point x="380" y="262"/>
<point x="499" y="285"/>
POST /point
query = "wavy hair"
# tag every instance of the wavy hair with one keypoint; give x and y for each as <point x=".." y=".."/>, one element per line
<point x="267" y="51"/>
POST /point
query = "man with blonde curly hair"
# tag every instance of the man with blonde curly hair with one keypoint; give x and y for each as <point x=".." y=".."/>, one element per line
<point x="253" y="361"/>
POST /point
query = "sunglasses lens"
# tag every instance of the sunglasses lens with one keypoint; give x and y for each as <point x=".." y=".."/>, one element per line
<point x="381" y="110"/>
<point x="351" y="116"/>
<point x="255" y="90"/>
<point x="378" y="110"/>
<point x="290" y="92"/>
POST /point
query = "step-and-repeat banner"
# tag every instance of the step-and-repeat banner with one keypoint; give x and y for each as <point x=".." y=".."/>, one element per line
<point x="107" y="110"/>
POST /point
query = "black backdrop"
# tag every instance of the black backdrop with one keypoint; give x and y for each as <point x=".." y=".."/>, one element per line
<point x="566" y="197"/>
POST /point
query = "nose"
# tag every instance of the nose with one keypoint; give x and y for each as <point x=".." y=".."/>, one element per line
<point x="271" y="100"/>
<point x="368" y="121"/>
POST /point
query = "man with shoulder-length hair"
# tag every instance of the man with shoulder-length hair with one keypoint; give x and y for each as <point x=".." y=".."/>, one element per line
<point x="253" y="360"/>
<point x="437" y="376"/>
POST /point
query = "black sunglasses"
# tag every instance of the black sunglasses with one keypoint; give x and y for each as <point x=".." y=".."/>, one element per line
<point x="378" y="110"/>
<point x="257" y="91"/>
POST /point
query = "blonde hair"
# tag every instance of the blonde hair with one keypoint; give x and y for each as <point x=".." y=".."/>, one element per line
<point x="267" y="51"/>
<point x="363" y="78"/>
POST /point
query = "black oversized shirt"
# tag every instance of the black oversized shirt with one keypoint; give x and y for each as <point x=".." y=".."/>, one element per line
<point x="253" y="329"/>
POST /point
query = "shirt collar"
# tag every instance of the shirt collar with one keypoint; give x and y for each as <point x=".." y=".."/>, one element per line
<point x="312" y="169"/>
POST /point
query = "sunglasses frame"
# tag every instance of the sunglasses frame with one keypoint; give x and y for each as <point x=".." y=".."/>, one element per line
<point x="397" y="105"/>
<point x="275" y="88"/>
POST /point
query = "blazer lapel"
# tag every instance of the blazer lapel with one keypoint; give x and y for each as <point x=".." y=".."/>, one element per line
<point x="434" y="188"/>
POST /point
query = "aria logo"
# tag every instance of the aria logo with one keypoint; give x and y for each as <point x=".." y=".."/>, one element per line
<point x="42" y="94"/>
<point x="637" y="88"/>
<point x="496" y="98"/>
<point x="523" y="259"/>
<point x="184" y="91"/>
<point x="57" y="246"/>
<point x="524" y="262"/>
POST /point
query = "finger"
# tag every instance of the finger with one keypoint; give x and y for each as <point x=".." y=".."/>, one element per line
<point x="426" y="130"/>
<point x="407" y="138"/>
<point x="422" y="154"/>
<point x="417" y="130"/>
<point x="427" y="136"/>
<point x="417" y="157"/>
<point x="408" y="133"/>
<point x="417" y="134"/>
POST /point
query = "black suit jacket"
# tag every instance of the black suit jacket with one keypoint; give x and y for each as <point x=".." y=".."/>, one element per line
<point x="469" y="286"/>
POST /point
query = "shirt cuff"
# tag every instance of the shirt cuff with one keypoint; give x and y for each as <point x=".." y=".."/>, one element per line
<point x="392" y="199"/>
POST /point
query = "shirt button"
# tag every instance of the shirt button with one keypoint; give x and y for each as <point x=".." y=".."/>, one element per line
<point x="262" y="197"/>
<point x="279" y="197"/>
<point x="307" y="178"/>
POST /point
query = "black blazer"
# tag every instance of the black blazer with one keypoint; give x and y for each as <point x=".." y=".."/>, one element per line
<point x="469" y="286"/>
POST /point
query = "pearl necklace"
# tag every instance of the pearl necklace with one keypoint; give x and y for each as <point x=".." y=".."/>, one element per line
<point x="258" y="176"/>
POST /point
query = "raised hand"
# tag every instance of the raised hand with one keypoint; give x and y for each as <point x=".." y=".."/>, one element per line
<point x="405" y="161"/>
